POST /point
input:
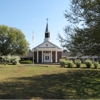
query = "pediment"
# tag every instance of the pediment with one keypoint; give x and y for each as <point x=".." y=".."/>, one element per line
<point x="47" y="45"/>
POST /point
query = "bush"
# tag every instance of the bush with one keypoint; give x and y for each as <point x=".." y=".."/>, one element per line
<point x="78" y="63"/>
<point x="14" y="62"/>
<point x="10" y="59"/>
<point x="6" y="59"/>
<point x="26" y="62"/>
<point x="88" y="63"/>
<point x="62" y="62"/>
<point x="96" y="64"/>
<point x="70" y="63"/>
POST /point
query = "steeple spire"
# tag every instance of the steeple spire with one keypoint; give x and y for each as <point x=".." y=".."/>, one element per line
<point x="47" y="33"/>
<point x="46" y="26"/>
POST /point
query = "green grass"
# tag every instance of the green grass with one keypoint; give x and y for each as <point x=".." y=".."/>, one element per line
<point x="48" y="82"/>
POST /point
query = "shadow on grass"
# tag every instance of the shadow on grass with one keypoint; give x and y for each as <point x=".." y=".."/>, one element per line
<point x="77" y="84"/>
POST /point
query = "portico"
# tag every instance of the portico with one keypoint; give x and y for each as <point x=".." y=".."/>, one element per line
<point x="46" y="55"/>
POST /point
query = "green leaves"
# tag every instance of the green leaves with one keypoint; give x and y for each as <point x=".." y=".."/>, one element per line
<point x="88" y="63"/>
<point x="12" y="41"/>
<point x="84" y="33"/>
<point x="11" y="59"/>
<point x="64" y="62"/>
<point x="96" y="64"/>
<point x="78" y="63"/>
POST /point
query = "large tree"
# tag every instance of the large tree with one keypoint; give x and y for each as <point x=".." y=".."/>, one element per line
<point x="12" y="41"/>
<point x="83" y="35"/>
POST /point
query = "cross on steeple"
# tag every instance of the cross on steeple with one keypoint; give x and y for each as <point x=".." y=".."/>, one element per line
<point x="47" y="20"/>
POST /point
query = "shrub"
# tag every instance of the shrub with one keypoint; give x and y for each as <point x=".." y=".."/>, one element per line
<point x="6" y="59"/>
<point x="78" y="63"/>
<point x="10" y="59"/>
<point x="70" y="63"/>
<point x="62" y="62"/>
<point x="88" y="63"/>
<point x="14" y="62"/>
<point x="26" y="62"/>
<point x="96" y="64"/>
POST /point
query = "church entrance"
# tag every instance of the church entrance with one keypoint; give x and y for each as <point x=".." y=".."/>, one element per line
<point x="47" y="57"/>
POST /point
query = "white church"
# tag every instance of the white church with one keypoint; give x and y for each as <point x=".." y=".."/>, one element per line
<point x="47" y="52"/>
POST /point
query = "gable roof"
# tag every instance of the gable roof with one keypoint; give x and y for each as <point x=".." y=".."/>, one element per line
<point x="52" y="45"/>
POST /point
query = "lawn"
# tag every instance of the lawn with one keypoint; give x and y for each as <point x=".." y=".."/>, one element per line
<point x="48" y="82"/>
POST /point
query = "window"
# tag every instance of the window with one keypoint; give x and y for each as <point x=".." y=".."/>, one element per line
<point x="46" y="45"/>
<point x="46" y="57"/>
<point x="47" y="35"/>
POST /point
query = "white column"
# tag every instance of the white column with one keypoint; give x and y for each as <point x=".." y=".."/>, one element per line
<point x="42" y="56"/>
<point x="56" y="55"/>
<point x="51" y="56"/>
<point x="37" y="56"/>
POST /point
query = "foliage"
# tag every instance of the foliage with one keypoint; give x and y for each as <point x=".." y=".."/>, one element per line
<point x="14" y="62"/>
<point x="6" y="59"/>
<point x="70" y="63"/>
<point x="26" y="62"/>
<point x="88" y="63"/>
<point x="15" y="59"/>
<point x="83" y="35"/>
<point x="10" y="59"/>
<point x="96" y="64"/>
<point x="78" y="63"/>
<point x="62" y="62"/>
<point x="12" y="41"/>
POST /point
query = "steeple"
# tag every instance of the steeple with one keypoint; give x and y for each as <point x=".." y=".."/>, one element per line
<point x="46" y="26"/>
<point x="47" y="33"/>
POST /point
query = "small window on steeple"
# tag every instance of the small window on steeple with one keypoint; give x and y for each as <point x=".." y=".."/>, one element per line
<point x="47" y="35"/>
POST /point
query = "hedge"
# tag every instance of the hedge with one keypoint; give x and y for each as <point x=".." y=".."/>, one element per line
<point x="26" y="62"/>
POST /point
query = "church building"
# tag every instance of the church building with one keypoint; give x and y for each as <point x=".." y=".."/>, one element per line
<point x="47" y="52"/>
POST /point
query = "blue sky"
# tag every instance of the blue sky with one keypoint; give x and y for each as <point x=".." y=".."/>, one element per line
<point x="31" y="15"/>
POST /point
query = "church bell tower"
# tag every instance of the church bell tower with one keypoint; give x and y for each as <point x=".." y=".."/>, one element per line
<point x="47" y="33"/>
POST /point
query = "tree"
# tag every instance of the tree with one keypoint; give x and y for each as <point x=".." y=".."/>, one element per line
<point x="12" y="41"/>
<point x="83" y="35"/>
